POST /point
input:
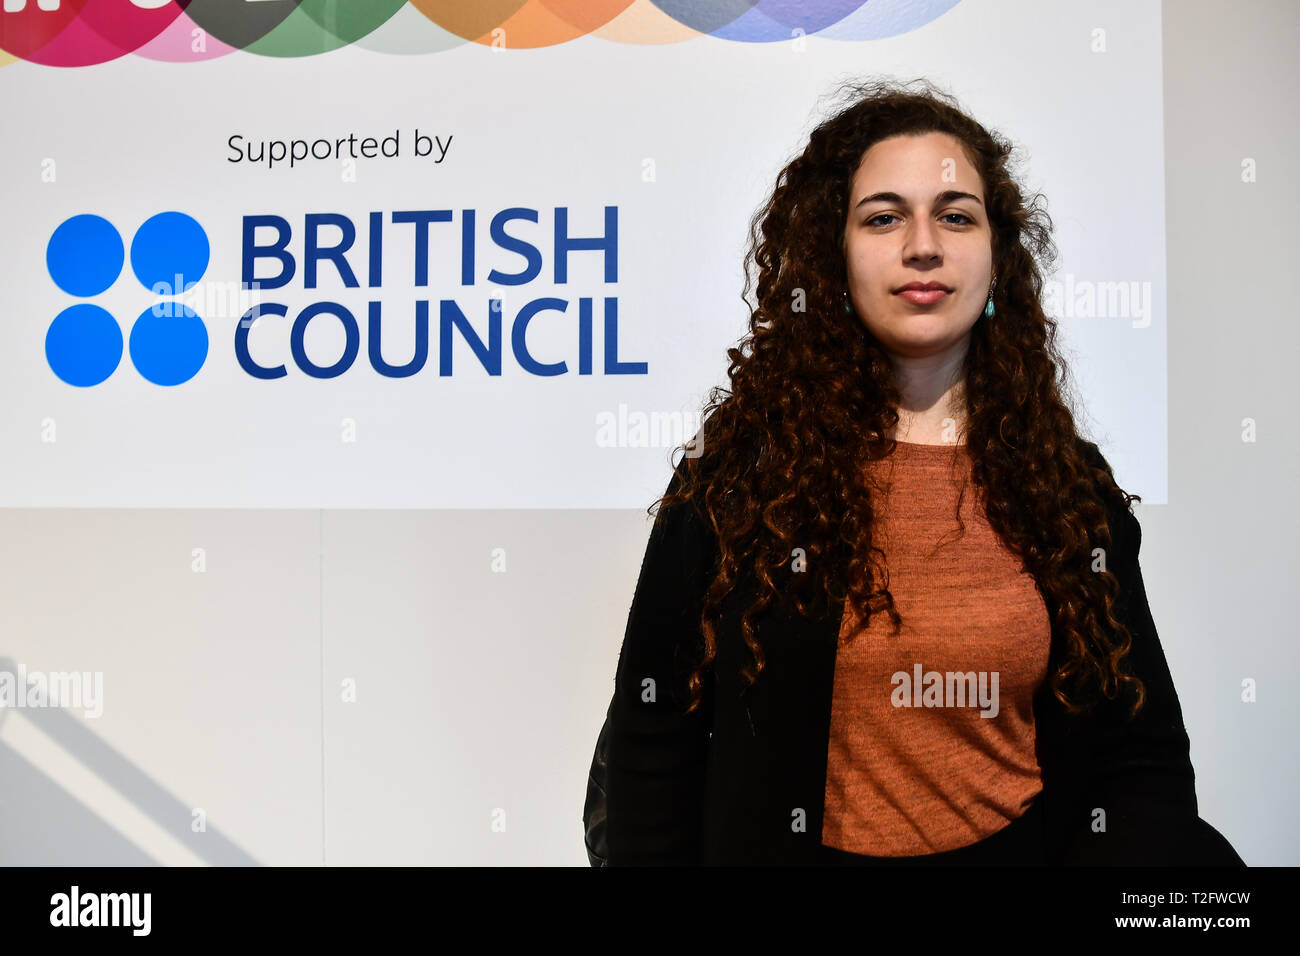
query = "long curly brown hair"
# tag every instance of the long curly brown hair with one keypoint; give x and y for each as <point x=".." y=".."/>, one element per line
<point x="812" y="397"/>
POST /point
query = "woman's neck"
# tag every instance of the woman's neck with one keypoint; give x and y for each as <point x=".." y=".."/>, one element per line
<point x="932" y="393"/>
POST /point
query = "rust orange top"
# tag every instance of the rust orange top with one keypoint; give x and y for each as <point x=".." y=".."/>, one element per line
<point x="932" y="729"/>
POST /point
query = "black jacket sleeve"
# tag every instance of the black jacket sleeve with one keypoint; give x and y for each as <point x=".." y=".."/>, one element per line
<point x="1139" y="771"/>
<point x="656" y="753"/>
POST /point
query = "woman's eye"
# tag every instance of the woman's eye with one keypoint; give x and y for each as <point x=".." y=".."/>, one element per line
<point x="886" y="215"/>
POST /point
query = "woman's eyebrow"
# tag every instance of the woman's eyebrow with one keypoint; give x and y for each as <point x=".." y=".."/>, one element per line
<point x="941" y="199"/>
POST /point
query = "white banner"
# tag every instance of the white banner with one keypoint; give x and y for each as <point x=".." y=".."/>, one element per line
<point x="496" y="277"/>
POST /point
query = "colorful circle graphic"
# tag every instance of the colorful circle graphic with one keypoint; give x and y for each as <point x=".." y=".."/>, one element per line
<point x="71" y="33"/>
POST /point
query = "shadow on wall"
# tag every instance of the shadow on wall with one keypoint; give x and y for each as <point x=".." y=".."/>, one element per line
<point x="42" y="824"/>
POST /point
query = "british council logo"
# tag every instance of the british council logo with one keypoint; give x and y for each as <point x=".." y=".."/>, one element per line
<point x="168" y="342"/>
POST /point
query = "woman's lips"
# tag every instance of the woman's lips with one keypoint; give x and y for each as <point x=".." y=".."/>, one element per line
<point x="923" y="297"/>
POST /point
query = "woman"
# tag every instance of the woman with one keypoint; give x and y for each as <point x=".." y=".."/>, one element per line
<point x="891" y="611"/>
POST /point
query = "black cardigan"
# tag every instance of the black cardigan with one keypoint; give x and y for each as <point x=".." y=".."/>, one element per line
<point x="742" y="780"/>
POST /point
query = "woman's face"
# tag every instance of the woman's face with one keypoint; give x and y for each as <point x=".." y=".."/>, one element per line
<point x="908" y="221"/>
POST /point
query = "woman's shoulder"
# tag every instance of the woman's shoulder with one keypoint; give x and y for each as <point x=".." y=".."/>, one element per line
<point x="1091" y="453"/>
<point x="1125" y="529"/>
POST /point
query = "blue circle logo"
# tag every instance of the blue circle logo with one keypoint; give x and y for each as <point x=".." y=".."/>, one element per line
<point x="83" y="344"/>
<point x="168" y="342"/>
<point x="84" y="256"/>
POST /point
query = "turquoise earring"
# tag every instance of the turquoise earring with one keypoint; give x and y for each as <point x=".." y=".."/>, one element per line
<point x="988" y="308"/>
<point x="848" y="307"/>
